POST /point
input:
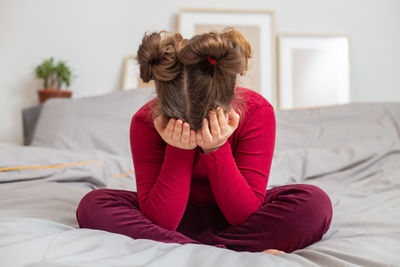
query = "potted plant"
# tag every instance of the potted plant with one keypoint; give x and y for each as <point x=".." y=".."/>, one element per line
<point x="54" y="76"/>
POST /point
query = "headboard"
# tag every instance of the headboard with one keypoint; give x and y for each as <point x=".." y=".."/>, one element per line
<point x="29" y="119"/>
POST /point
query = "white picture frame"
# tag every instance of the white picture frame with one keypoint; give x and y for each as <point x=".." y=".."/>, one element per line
<point x="257" y="26"/>
<point x="314" y="70"/>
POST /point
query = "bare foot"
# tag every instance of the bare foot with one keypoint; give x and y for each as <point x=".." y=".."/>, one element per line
<point x="273" y="251"/>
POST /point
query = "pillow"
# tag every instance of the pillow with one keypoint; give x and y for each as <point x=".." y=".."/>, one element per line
<point x="99" y="122"/>
<point x="338" y="125"/>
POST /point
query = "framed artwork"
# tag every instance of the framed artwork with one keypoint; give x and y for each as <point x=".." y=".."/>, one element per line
<point x="131" y="75"/>
<point x="313" y="70"/>
<point x="257" y="26"/>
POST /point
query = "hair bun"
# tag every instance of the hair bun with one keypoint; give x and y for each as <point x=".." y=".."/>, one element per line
<point x="229" y="51"/>
<point x="239" y="40"/>
<point x="157" y="56"/>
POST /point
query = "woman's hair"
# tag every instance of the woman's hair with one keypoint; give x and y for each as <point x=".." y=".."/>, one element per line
<point x="188" y="86"/>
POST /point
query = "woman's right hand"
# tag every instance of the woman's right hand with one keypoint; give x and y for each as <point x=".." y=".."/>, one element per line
<point x="176" y="133"/>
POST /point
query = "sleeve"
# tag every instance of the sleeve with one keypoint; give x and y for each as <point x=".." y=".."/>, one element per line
<point x="239" y="182"/>
<point x="163" y="175"/>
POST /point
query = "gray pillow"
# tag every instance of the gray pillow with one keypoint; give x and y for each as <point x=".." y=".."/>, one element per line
<point x="99" y="122"/>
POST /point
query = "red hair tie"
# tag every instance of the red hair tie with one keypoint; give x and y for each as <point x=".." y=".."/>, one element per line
<point x="212" y="61"/>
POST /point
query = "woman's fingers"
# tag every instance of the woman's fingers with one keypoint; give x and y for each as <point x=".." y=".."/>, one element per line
<point x="199" y="139"/>
<point x="221" y="120"/>
<point x="234" y="121"/>
<point x="176" y="135"/>
<point x="205" y="132"/>
<point x="193" y="142"/>
<point x="215" y="130"/>
<point x="169" y="129"/>
<point x="185" y="133"/>
<point x="177" y="132"/>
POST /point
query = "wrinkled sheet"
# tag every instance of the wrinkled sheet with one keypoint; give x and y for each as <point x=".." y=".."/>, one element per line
<point x="352" y="152"/>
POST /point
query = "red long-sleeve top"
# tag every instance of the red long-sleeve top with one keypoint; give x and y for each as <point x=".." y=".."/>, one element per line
<point x="234" y="177"/>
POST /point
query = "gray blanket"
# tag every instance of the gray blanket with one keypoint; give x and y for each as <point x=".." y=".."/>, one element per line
<point x="350" y="151"/>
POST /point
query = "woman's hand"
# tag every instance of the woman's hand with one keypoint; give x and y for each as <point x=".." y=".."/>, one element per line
<point x="221" y="128"/>
<point x="176" y="133"/>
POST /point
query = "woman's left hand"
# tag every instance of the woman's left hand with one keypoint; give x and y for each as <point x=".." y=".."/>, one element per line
<point x="222" y="128"/>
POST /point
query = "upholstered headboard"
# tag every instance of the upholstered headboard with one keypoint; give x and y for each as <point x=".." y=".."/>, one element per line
<point x="29" y="119"/>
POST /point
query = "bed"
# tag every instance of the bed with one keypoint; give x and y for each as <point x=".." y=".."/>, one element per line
<point x="73" y="146"/>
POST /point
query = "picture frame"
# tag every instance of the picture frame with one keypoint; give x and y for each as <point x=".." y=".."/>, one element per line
<point x="257" y="26"/>
<point x="314" y="70"/>
<point x="131" y="75"/>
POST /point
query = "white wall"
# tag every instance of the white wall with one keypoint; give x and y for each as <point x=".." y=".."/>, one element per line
<point x="94" y="36"/>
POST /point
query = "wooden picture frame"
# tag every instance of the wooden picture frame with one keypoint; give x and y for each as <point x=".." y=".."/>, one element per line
<point x="314" y="70"/>
<point x="257" y="26"/>
<point x="131" y="75"/>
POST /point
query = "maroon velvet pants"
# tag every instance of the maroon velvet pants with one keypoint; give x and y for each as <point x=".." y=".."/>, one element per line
<point x="291" y="217"/>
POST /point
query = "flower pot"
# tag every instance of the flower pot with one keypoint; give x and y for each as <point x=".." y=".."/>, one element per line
<point x="45" y="94"/>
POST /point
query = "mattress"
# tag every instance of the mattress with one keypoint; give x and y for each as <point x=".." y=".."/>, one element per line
<point x="351" y="151"/>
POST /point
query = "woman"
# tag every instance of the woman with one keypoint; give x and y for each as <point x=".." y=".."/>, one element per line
<point x="202" y="152"/>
